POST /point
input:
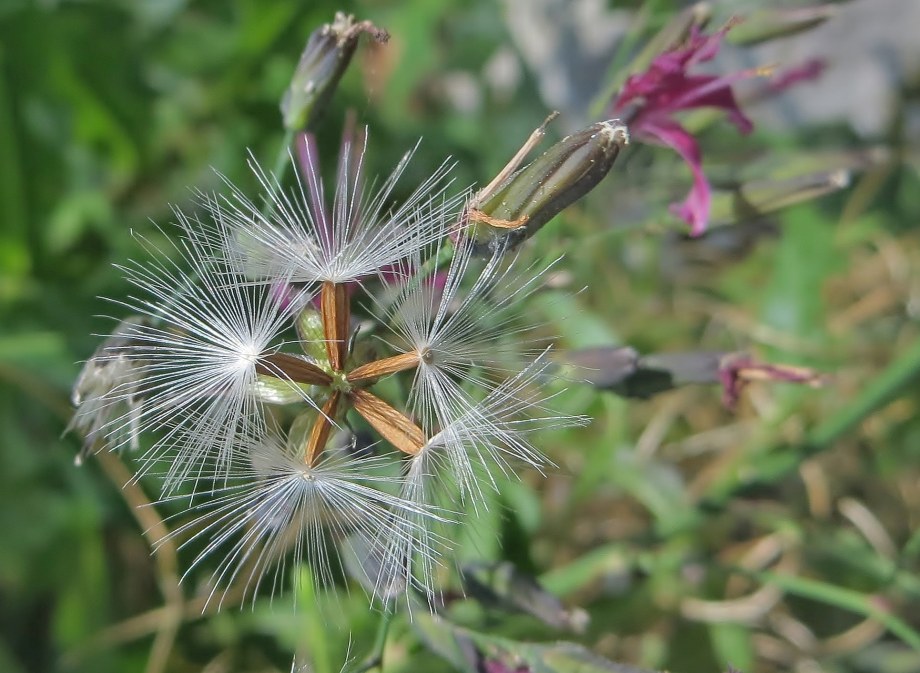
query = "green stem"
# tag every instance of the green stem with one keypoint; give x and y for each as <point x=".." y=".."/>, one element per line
<point x="283" y="158"/>
<point x="443" y="257"/>
<point x="620" y="66"/>
<point x="374" y="658"/>
<point x="431" y="265"/>
<point x="845" y="599"/>
<point x="279" y="171"/>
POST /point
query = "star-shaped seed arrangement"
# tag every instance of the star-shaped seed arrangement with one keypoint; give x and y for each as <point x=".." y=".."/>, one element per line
<point x="346" y="387"/>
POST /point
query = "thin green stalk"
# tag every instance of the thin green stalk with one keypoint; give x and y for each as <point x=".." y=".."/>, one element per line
<point x="433" y="264"/>
<point x="374" y="658"/>
<point x="282" y="161"/>
<point x="625" y="62"/>
<point x="19" y="238"/>
<point x="845" y="599"/>
<point x="884" y="389"/>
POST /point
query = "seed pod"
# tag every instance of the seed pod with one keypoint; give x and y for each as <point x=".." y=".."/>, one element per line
<point x="518" y="207"/>
<point x="603" y="366"/>
<point x="624" y="371"/>
<point x="322" y="64"/>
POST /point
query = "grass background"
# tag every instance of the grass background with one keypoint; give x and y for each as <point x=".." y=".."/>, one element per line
<point x="778" y="537"/>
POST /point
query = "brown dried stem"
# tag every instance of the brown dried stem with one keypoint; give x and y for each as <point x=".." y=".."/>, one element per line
<point x="514" y="163"/>
<point x="166" y="558"/>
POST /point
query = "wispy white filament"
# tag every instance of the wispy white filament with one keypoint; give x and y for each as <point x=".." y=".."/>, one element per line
<point x="196" y="354"/>
<point x="465" y="333"/>
<point x="215" y="304"/>
<point x="362" y="232"/>
<point x="282" y="510"/>
<point x="486" y="437"/>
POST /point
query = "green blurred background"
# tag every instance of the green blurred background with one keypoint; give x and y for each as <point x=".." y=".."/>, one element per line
<point x="661" y="515"/>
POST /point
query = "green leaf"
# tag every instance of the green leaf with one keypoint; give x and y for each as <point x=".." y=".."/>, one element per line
<point x="795" y="301"/>
<point x="733" y="646"/>
<point x="866" y="605"/>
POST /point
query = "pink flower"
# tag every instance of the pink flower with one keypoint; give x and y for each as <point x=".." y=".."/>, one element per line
<point x="737" y="370"/>
<point x="651" y="98"/>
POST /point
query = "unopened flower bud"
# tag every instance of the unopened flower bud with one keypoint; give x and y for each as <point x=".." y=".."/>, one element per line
<point x="273" y="390"/>
<point x="771" y="23"/>
<point x="309" y="325"/>
<point x="532" y="196"/>
<point x="623" y="371"/>
<point x="322" y="64"/>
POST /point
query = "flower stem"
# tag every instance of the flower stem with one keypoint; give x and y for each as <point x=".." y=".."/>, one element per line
<point x="282" y="161"/>
<point x="374" y="658"/>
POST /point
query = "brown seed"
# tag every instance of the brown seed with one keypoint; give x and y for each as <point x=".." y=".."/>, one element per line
<point x="293" y="368"/>
<point x="336" y="313"/>
<point x="393" y="425"/>
<point x="319" y="435"/>
<point x="378" y="368"/>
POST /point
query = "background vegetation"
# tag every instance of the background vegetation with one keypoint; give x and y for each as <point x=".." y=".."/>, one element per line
<point x="781" y="536"/>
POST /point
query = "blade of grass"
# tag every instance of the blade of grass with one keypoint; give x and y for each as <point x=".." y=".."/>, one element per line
<point x="846" y="599"/>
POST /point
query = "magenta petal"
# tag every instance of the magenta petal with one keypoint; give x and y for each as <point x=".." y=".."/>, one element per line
<point x="809" y="70"/>
<point x="283" y="294"/>
<point x="649" y="99"/>
<point x="703" y="48"/>
<point x="667" y="87"/>
<point x="715" y="92"/>
<point x="696" y="207"/>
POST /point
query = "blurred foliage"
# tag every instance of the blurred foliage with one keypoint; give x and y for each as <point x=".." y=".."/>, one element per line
<point x="782" y="536"/>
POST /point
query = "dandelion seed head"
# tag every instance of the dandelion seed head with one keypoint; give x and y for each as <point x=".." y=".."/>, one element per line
<point x="361" y="231"/>
<point x="196" y="351"/>
<point x="209" y="355"/>
<point x="467" y="332"/>
<point x="247" y="355"/>
<point x="282" y="507"/>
